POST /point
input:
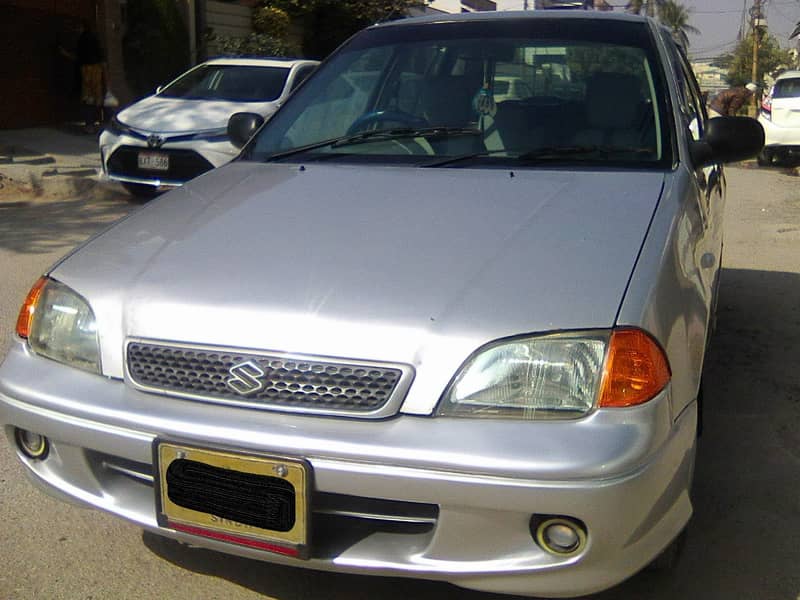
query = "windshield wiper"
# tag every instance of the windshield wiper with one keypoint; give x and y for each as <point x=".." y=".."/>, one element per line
<point x="377" y="135"/>
<point x="549" y="152"/>
<point x="542" y="154"/>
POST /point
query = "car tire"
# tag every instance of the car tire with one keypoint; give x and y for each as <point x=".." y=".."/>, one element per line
<point x="764" y="158"/>
<point x="141" y="190"/>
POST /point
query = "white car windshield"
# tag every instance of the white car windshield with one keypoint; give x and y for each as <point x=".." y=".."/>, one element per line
<point x="528" y="91"/>
<point x="235" y="83"/>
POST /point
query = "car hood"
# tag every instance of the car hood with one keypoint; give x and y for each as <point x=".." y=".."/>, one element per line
<point x="413" y="266"/>
<point x="175" y="115"/>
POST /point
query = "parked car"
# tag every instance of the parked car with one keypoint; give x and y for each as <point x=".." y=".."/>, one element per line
<point x="410" y="331"/>
<point x="180" y="132"/>
<point x="780" y="118"/>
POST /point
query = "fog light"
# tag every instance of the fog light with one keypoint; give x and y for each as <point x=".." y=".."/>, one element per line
<point x="561" y="537"/>
<point x="31" y="444"/>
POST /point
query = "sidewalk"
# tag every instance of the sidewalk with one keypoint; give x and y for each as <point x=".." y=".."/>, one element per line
<point x="49" y="162"/>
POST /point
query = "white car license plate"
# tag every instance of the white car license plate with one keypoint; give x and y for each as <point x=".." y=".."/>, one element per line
<point x="154" y="161"/>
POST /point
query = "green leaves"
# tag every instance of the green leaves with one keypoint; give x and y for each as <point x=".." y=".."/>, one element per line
<point x="771" y="58"/>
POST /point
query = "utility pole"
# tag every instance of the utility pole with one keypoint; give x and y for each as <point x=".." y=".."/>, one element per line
<point x="759" y="25"/>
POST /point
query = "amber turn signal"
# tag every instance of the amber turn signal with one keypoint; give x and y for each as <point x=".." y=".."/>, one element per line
<point x="636" y="369"/>
<point x="25" y="318"/>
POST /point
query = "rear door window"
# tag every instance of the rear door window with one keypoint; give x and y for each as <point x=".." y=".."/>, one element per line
<point x="787" y="88"/>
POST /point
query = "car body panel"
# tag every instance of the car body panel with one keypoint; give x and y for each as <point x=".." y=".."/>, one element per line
<point x="419" y="267"/>
<point x="410" y="309"/>
<point x="174" y="116"/>
<point x="780" y="113"/>
<point x="684" y="247"/>
<point x="635" y="463"/>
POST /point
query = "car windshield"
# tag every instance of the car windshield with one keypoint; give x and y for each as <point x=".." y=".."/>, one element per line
<point x="236" y="83"/>
<point x="787" y="88"/>
<point x="495" y="92"/>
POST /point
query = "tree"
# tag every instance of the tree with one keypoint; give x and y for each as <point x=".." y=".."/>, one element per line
<point x="155" y="46"/>
<point x="675" y="17"/>
<point x="327" y="23"/>
<point x="319" y="26"/>
<point x="649" y="7"/>
<point x="771" y="58"/>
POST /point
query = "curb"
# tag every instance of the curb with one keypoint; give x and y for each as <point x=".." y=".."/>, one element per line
<point x="50" y="185"/>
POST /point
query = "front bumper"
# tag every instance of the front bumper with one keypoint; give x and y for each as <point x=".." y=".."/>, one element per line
<point x="195" y="157"/>
<point x="628" y="482"/>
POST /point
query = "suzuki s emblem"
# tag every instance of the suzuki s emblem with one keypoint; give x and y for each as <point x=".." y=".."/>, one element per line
<point x="246" y="378"/>
<point x="155" y="141"/>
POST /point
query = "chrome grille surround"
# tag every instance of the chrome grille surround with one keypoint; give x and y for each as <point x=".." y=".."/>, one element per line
<point x="292" y="382"/>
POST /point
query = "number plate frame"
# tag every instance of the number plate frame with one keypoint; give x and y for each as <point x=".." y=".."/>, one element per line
<point x="172" y="516"/>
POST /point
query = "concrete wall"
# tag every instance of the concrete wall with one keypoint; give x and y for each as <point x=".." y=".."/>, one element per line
<point x="229" y="19"/>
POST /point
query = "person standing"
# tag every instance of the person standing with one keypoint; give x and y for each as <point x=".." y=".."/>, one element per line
<point x="729" y="102"/>
<point x="90" y="63"/>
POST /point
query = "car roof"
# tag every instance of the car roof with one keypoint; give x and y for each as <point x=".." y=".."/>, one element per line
<point x="511" y="15"/>
<point x="788" y="75"/>
<point x="260" y="62"/>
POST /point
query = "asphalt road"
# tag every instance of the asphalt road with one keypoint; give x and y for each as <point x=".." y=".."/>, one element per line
<point x="744" y="540"/>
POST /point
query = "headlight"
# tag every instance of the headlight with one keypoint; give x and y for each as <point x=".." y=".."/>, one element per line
<point x="60" y="325"/>
<point x="560" y="376"/>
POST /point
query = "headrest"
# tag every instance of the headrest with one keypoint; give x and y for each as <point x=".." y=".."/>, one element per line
<point x="612" y="100"/>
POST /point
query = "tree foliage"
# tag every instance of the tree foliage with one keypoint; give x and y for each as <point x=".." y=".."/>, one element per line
<point x="368" y="11"/>
<point x="647" y="7"/>
<point x="327" y="23"/>
<point x="254" y="44"/>
<point x="155" y="46"/>
<point x="676" y="17"/>
<point x="322" y="25"/>
<point x="771" y="59"/>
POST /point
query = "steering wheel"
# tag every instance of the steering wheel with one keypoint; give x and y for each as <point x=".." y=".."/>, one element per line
<point x="379" y="116"/>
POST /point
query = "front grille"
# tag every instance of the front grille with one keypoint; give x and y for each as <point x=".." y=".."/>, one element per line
<point x="183" y="164"/>
<point x="295" y="383"/>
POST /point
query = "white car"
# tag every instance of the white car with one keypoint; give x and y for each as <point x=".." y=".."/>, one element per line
<point x="180" y="132"/>
<point x="780" y="118"/>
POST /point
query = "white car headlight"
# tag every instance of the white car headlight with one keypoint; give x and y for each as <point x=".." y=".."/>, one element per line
<point x="60" y="325"/>
<point x="559" y="376"/>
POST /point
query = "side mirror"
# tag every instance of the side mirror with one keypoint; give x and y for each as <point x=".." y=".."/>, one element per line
<point x="728" y="139"/>
<point x="242" y="126"/>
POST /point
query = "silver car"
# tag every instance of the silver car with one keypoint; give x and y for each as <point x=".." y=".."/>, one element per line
<point x="413" y="330"/>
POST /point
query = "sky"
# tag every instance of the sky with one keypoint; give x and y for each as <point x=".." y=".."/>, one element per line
<point x="719" y="22"/>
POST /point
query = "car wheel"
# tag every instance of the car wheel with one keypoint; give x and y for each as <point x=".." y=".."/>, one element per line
<point x="669" y="558"/>
<point x="764" y="158"/>
<point x="141" y="190"/>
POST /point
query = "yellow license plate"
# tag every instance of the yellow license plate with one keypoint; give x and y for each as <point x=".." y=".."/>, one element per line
<point x="255" y="501"/>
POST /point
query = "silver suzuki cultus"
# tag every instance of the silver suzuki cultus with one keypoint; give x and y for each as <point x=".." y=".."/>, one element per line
<point x="429" y="324"/>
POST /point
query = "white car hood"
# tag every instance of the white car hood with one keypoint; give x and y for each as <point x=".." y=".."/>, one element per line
<point x="413" y="266"/>
<point x="174" y="115"/>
